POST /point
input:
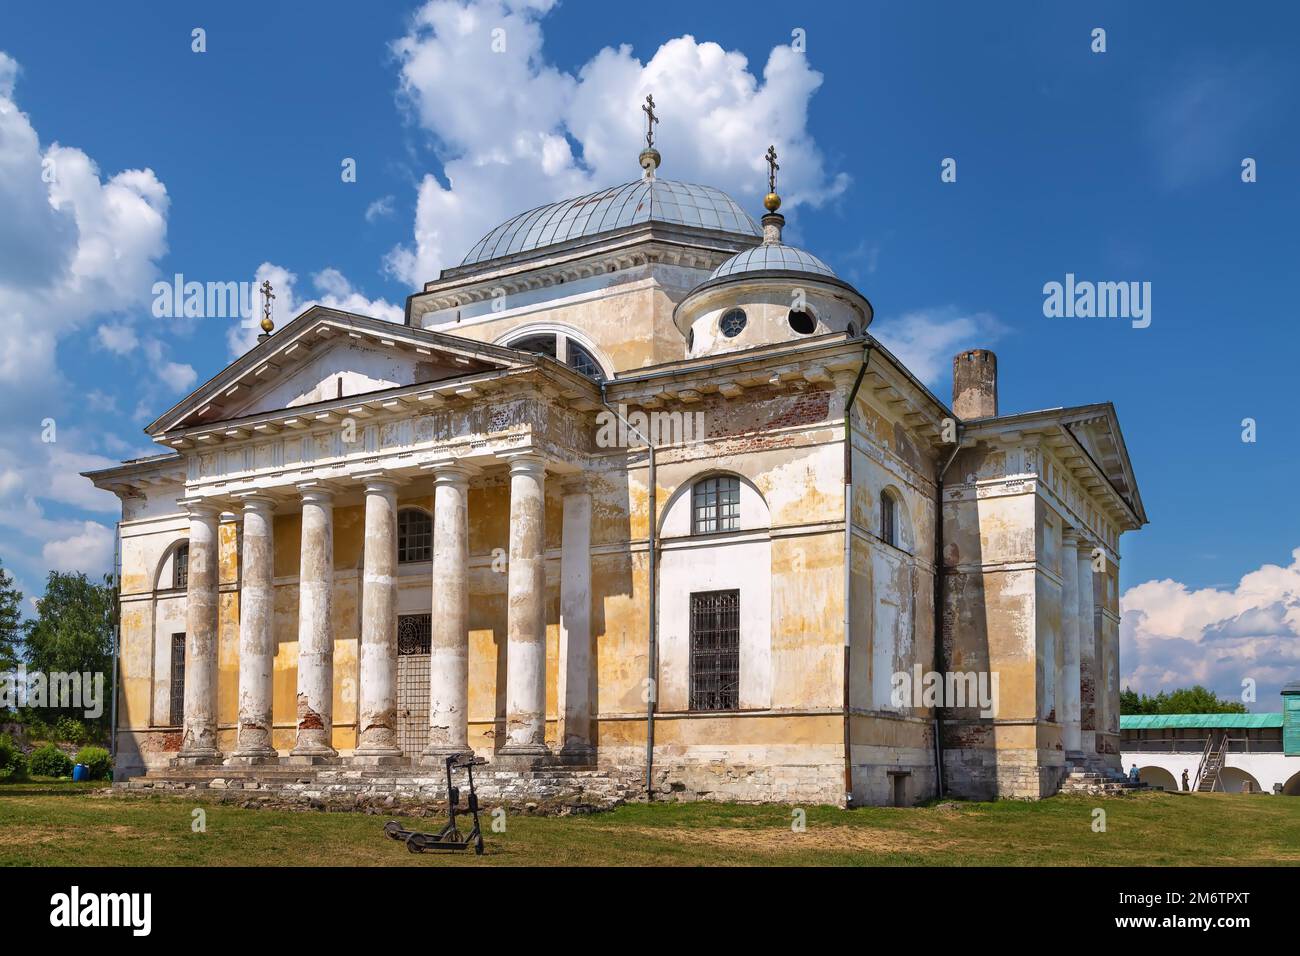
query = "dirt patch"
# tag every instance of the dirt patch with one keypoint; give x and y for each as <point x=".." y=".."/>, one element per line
<point x="785" y="840"/>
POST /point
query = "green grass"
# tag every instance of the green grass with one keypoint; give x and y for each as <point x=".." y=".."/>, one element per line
<point x="69" y="824"/>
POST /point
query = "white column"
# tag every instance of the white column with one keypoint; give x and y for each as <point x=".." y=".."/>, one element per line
<point x="574" y="672"/>
<point x="316" y="628"/>
<point x="449" y="639"/>
<point x="1068" y="693"/>
<point x="199" y="737"/>
<point x="256" y="633"/>
<point x="525" y="619"/>
<point x="377" y="699"/>
<point x="1087" y="652"/>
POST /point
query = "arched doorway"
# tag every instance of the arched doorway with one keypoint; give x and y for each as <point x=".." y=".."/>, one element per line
<point x="1236" y="780"/>
<point x="1292" y="787"/>
<point x="1158" y="778"/>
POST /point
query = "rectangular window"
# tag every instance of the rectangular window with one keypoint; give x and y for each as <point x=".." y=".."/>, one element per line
<point x="177" y="716"/>
<point x="716" y="505"/>
<point x="181" y="567"/>
<point x="888" y="520"/>
<point x="715" y="650"/>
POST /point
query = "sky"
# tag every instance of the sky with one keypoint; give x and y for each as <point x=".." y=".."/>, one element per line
<point x="128" y="155"/>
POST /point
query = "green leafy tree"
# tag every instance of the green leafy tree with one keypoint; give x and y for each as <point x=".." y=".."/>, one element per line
<point x="11" y="622"/>
<point x="1185" y="700"/>
<point x="73" y="631"/>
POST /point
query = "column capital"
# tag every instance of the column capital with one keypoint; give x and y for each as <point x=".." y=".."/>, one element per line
<point x="316" y="491"/>
<point x="379" y="482"/>
<point x="525" y="462"/>
<point x="579" y="484"/>
<point x="450" y="472"/>
<point x="252" y="501"/>
<point x="201" y="507"/>
<point x="1069" y="537"/>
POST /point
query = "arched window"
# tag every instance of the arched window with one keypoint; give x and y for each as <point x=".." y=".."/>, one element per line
<point x="181" y="566"/>
<point x="414" y="536"/>
<point x="580" y="360"/>
<point x="557" y="345"/>
<point x="715" y="505"/>
<point x="889" y="519"/>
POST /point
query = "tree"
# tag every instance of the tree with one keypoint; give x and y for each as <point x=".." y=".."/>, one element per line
<point x="73" y="629"/>
<point x="1186" y="700"/>
<point x="11" y="621"/>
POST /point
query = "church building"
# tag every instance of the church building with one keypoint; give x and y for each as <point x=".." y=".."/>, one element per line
<point x="632" y="493"/>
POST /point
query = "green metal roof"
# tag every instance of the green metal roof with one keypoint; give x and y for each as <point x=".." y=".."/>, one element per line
<point x="1204" y="721"/>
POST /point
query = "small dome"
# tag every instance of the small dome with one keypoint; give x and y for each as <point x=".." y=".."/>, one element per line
<point x="773" y="257"/>
<point x="645" y="200"/>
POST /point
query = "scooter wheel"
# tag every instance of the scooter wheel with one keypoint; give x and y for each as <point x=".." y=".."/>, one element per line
<point x="478" y="849"/>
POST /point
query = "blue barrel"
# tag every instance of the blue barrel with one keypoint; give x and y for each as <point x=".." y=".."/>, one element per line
<point x="79" y="772"/>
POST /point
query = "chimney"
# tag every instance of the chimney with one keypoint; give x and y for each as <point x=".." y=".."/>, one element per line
<point x="975" y="384"/>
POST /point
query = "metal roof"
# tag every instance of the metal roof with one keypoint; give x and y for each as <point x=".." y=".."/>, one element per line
<point x="773" y="256"/>
<point x="658" y="200"/>
<point x="1201" y="721"/>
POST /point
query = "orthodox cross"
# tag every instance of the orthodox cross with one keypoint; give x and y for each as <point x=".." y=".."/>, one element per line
<point x="650" y="120"/>
<point x="772" y="167"/>
<point x="267" y="296"/>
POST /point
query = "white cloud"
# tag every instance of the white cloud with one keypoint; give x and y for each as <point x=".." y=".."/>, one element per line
<point x="514" y="131"/>
<point x="118" y="339"/>
<point x="89" y="550"/>
<point x="332" y="290"/>
<point x="927" y="339"/>
<point x="1172" y="636"/>
<point x="380" y="209"/>
<point x="74" y="245"/>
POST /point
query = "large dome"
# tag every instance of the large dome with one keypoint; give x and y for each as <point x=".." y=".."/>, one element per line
<point x="653" y="200"/>
<point x="773" y="257"/>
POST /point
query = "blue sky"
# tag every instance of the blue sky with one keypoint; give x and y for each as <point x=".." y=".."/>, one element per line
<point x="1115" y="166"/>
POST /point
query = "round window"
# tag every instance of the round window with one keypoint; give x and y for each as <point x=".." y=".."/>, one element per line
<point x="733" y="323"/>
<point x="802" y="321"/>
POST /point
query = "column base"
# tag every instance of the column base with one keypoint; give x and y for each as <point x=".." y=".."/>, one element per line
<point x="523" y="757"/>
<point x="373" y="758"/>
<point x="576" y="755"/>
<point x="211" y="758"/>
<point x="437" y="756"/>
<point x="252" y="758"/>
<point x="313" y="758"/>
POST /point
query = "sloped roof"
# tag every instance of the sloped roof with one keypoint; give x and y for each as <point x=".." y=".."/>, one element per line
<point x="1199" y="721"/>
<point x="657" y="200"/>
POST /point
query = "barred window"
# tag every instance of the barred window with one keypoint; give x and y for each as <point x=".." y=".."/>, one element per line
<point x="715" y="650"/>
<point x="177" y="715"/>
<point x="888" y="519"/>
<point x="716" y="505"/>
<point x="181" y="566"/>
<point x="414" y="536"/>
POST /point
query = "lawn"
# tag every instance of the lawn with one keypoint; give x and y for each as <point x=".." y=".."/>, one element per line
<point x="71" y="824"/>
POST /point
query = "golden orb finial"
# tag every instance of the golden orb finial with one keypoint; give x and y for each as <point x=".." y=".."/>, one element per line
<point x="771" y="202"/>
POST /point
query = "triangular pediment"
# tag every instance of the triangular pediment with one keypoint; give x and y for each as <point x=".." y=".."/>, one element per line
<point x="326" y="354"/>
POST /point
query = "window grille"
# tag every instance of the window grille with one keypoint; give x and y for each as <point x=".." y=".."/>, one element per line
<point x="715" y="650"/>
<point x="414" y="640"/>
<point x="177" y="714"/>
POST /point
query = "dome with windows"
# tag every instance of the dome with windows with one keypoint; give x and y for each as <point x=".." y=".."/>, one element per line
<point x="773" y="257"/>
<point x="642" y="201"/>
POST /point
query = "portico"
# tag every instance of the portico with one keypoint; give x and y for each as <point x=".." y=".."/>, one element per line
<point x="376" y="737"/>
